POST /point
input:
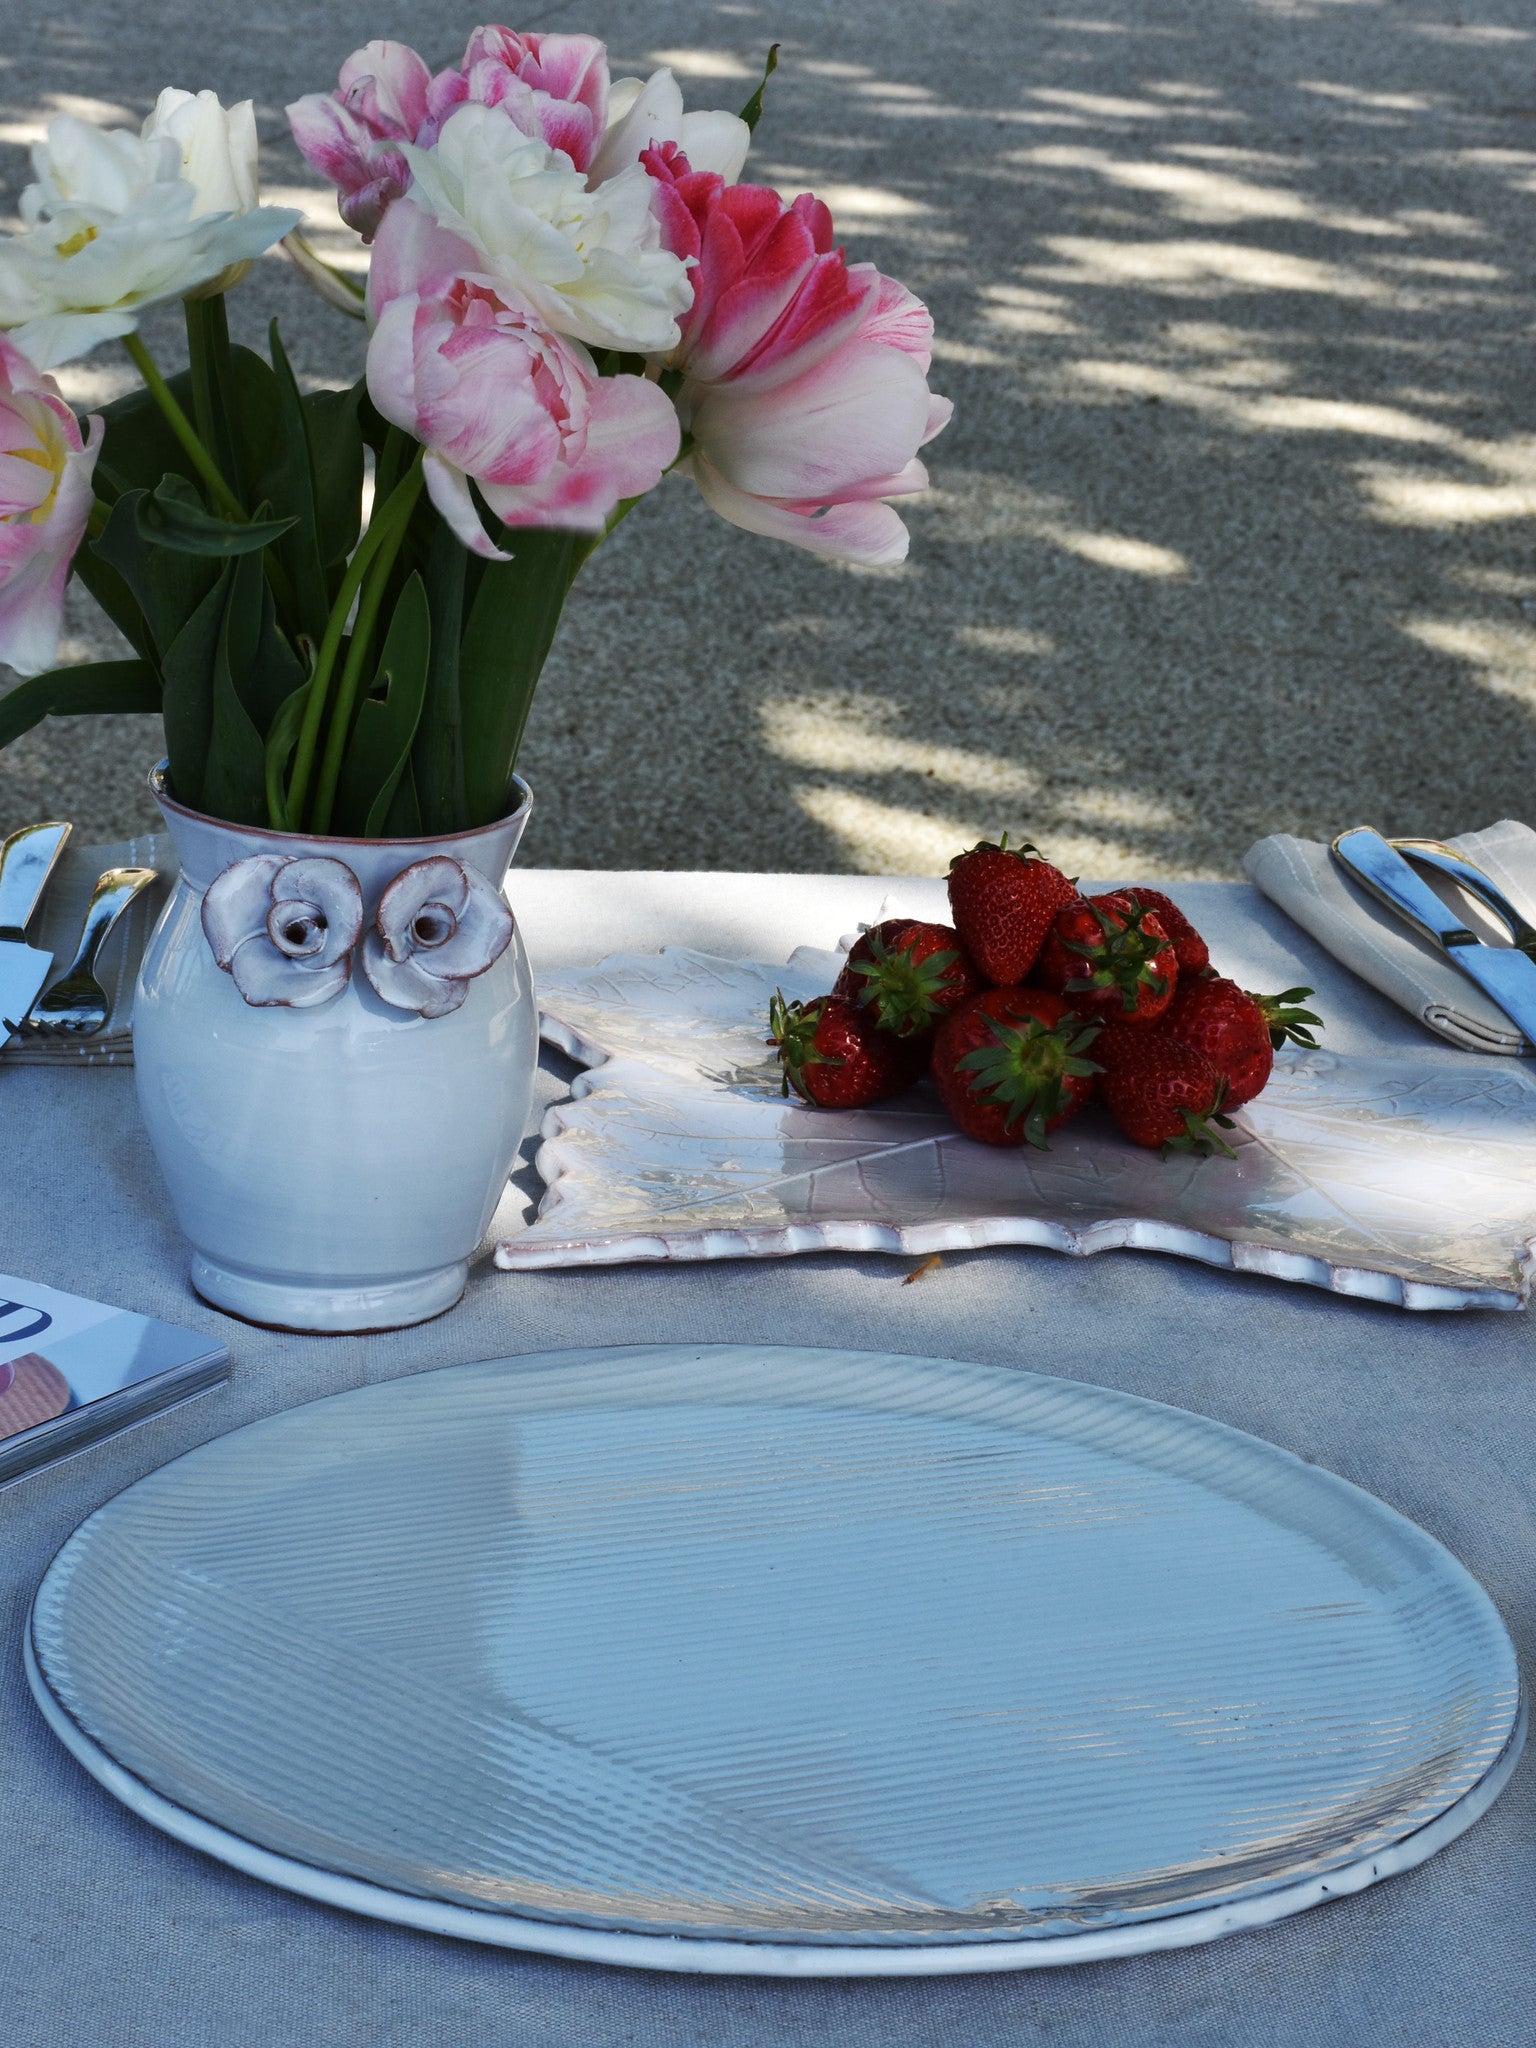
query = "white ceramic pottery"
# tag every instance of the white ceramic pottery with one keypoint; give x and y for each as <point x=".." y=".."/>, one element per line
<point x="333" y="1155"/>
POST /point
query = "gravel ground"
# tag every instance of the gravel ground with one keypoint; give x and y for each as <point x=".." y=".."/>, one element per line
<point x="1232" y="531"/>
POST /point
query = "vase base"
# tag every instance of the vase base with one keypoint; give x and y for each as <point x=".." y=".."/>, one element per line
<point x="314" y="1309"/>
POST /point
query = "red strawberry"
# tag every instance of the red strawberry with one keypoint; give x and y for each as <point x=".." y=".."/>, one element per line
<point x="835" y="1054"/>
<point x="1009" y="1066"/>
<point x="1161" y="1091"/>
<point x="1239" y="1033"/>
<point x="1002" y="899"/>
<point x="1189" y="949"/>
<point x="1111" y="957"/>
<point x="911" y="976"/>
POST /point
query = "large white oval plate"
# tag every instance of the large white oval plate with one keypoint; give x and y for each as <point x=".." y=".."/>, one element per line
<point x="795" y="1662"/>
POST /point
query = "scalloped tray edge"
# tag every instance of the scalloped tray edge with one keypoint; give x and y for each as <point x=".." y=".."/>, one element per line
<point x="1122" y="1233"/>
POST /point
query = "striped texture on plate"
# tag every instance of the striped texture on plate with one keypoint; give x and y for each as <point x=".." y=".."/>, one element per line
<point x="778" y="1646"/>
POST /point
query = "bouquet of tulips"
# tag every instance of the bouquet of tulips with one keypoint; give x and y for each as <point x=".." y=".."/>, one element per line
<point x="570" y="292"/>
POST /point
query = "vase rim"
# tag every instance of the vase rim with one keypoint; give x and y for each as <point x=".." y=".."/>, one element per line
<point x="159" y="779"/>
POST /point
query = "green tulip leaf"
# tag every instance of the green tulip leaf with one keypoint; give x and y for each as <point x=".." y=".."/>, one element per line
<point x="187" y="705"/>
<point x="387" y="720"/>
<point x="174" y="516"/>
<point x="69" y="692"/>
<point x="166" y="584"/>
<point x="752" y="112"/>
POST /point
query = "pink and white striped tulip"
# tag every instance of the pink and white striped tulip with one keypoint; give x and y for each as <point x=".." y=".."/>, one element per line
<point x="805" y="387"/>
<point x="495" y="396"/>
<point x="380" y="98"/>
<point x="552" y="87"/>
<point x="45" y="501"/>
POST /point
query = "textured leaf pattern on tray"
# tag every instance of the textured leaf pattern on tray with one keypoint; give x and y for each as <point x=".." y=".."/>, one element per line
<point x="1399" y="1181"/>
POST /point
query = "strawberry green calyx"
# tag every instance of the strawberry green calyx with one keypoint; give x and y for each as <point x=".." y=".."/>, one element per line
<point x="793" y="1030"/>
<point x="1285" y="1020"/>
<point x="1025" y="1070"/>
<point x="1123" y="958"/>
<point x="906" y="994"/>
<point x="1026" y="850"/>
<point x="1199" y="1138"/>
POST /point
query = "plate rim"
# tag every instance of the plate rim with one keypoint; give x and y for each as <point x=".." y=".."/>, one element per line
<point x="700" y="1955"/>
<point x="747" y="1955"/>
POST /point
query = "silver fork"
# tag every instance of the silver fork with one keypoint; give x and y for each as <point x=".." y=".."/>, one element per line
<point x="77" y="1003"/>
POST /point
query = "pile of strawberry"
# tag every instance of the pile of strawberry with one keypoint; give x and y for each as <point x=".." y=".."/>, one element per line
<point x="1033" y="1001"/>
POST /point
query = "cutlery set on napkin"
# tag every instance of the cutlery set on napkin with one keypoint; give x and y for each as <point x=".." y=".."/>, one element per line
<point x="1446" y="930"/>
<point x="72" y="928"/>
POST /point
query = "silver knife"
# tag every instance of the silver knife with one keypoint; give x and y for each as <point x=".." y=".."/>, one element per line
<point x="1445" y="860"/>
<point x="1503" y="972"/>
<point x="26" y="862"/>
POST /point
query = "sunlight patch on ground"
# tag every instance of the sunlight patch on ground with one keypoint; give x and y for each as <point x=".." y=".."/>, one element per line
<point x="1202" y="269"/>
<point x="1418" y="498"/>
<point x="861" y="202"/>
<point x="967" y="352"/>
<point x="839" y="739"/>
<point x="1017" y="310"/>
<point x="885" y="839"/>
<point x="322" y="226"/>
<point x="1006" y="640"/>
<point x="1210" y="197"/>
<point x="100" y="113"/>
<point x="882" y="839"/>
<point x="977" y="505"/>
<point x="1117" y="551"/>
<point x="1497" y="582"/>
<point x="1503" y="650"/>
<point x="95" y="381"/>
<point x="1104" y="105"/>
<point x="1274" y="412"/>
<point x="1380" y="102"/>
<point x="704" y="64"/>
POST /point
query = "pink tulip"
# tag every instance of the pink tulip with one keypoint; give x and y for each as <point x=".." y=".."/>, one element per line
<point x="45" y="501"/>
<point x="381" y="98"/>
<point x="553" y="88"/>
<point x="495" y="396"/>
<point x="805" y="386"/>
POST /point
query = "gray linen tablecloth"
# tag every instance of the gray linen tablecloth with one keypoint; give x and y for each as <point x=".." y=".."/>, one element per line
<point x="112" y="1936"/>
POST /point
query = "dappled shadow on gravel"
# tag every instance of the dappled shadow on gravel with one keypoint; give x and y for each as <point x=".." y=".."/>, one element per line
<point x="1232" y="531"/>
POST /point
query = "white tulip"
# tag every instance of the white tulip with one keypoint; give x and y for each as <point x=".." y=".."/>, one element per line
<point x="590" y="264"/>
<point x="642" y="112"/>
<point x="112" y="226"/>
<point x="217" y="146"/>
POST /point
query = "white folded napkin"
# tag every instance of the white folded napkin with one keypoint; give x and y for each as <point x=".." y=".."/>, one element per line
<point x="1302" y="876"/>
<point x="57" y="929"/>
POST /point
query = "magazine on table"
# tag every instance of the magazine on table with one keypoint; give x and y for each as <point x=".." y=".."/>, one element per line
<point x="73" y="1371"/>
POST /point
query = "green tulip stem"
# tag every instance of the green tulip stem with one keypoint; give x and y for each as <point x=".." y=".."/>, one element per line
<point x="380" y="544"/>
<point x="223" y="497"/>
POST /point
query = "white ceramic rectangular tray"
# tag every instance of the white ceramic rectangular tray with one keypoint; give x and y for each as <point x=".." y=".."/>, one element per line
<point x="1395" y="1180"/>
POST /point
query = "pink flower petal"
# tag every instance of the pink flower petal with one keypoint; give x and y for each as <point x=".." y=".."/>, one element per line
<point x="331" y="139"/>
<point x="867" y="532"/>
<point x="632" y="439"/>
<point x="414" y="253"/>
<point x="38" y="544"/>
<point x="386" y="85"/>
<point x="859" y="414"/>
<point x="897" y="318"/>
<point x="448" y="488"/>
